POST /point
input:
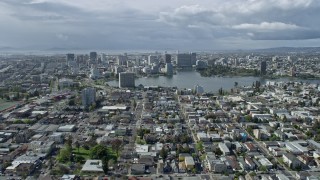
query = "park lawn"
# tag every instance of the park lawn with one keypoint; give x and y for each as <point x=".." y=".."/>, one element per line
<point x="86" y="153"/>
<point x="4" y="104"/>
<point x="82" y="152"/>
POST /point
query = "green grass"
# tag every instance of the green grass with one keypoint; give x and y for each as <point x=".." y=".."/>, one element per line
<point x="4" y="104"/>
<point x="82" y="152"/>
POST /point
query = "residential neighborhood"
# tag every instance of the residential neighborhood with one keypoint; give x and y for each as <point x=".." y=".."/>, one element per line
<point x="61" y="119"/>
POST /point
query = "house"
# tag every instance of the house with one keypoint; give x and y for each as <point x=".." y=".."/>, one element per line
<point x="250" y="163"/>
<point x="138" y="169"/>
<point x="26" y="159"/>
<point x="250" y="147"/>
<point x="21" y="169"/>
<point x="223" y="147"/>
<point x="41" y="146"/>
<point x="217" y="166"/>
<point x="189" y="162"/>
<point x="67" y="128"/>
<point x="291" y="160"/>
<point x="302" y="175"/>
<point x="92" y="166"/>
<point x="203" y="137"/>
<point x="147" y="160"/>
<point x="68" y="177"/>
<point x="305" y="159"/>
<point x="182" y="167"/>
<point x="265" y="162"/>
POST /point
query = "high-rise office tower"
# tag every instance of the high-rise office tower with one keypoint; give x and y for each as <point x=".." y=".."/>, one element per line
<point x="169" y="69"/>
<point x="93" y="57"/>
<point x="193" y="58"/>
<point x="263" y="67"/>
<point x="184" y="60"/>
<point x="122" y="60"/>
<point x="88" y="96"/>
<point x="69" y="57"/>
<point x="126" y="79"/>
<point x="152" y="60"/>
<point x="167" y="58"/>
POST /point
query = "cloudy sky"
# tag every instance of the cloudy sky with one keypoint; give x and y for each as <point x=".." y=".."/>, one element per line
<point x="159" y="24"/>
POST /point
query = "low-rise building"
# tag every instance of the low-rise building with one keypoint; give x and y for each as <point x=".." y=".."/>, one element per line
<point x="189" y="162"/>
<point x="92" y="166"/>
<point x="291" y="160"/>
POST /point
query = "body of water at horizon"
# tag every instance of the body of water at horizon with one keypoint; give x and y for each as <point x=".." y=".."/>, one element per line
<point x="190" y="78"/>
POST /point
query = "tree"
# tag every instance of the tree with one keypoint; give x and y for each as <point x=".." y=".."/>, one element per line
<point x="218" y="151"/>
<point x="50" y="163"/>
<point x="71" y="102"/>
<point x="199" y="146"/>
<point x="250" y="130"/>
<point x="64" y="155"/>
<point x="309" y="134"/>
<point x="221" y="91"/>
<point x="79" y="159"/>
<point x="317" y="138"/>
<point x="69" y="143"/>
<point x="248" y="118"/>
<point x="63" y="169"/>
<point x="116" y="145"/>
<point x="263" y="168"/>
<point x="77" y="145"/>
<point x="98" y="152"/>
<point x="194" y="170"/>
<point x="36" y="93"/>
<point x="105" y="165"/>
<point x="163" y="153"/>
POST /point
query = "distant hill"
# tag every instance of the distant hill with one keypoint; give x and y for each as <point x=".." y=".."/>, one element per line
<point x="290" y="49"/>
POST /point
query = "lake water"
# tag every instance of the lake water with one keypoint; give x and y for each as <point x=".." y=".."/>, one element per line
<point x="190" y="78"/>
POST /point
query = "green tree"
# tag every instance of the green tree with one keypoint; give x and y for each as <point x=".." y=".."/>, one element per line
<point x="248" y="118"/>
<point x="69" y="143"/>
<point x="250" y="130"/>
<point x="64" y="155"/>
<point x="317" y="138"/>
<point x="116" y="145"/>
<point x="263" y="168"/>
<point x="218" y="151"/>
<point x="105" y="165"/>
<point x="309" y="134"/>
<point x="199" y="146"/>
<point x="163" y="153"/>
<point x="77" y="145"/>
<point x="71" y="102"/>
<point x="98" y="152"/>
<point x="194" y="170"/>
<point x="79" y="159"/>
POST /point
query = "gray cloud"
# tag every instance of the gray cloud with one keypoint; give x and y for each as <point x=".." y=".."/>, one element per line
<point x="145" y="24"/>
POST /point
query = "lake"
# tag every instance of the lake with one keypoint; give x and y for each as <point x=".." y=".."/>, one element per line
<point x="190" y="78"/>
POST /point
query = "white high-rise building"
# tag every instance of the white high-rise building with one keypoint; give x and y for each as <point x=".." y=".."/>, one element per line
<point x="88" y="96"/>
<point x="126" y="79"/>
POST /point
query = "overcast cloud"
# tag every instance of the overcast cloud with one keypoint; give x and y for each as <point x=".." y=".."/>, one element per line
<point x="159" y="25"/>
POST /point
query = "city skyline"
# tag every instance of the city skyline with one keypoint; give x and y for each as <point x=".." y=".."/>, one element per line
<point x="163" y="25"/>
